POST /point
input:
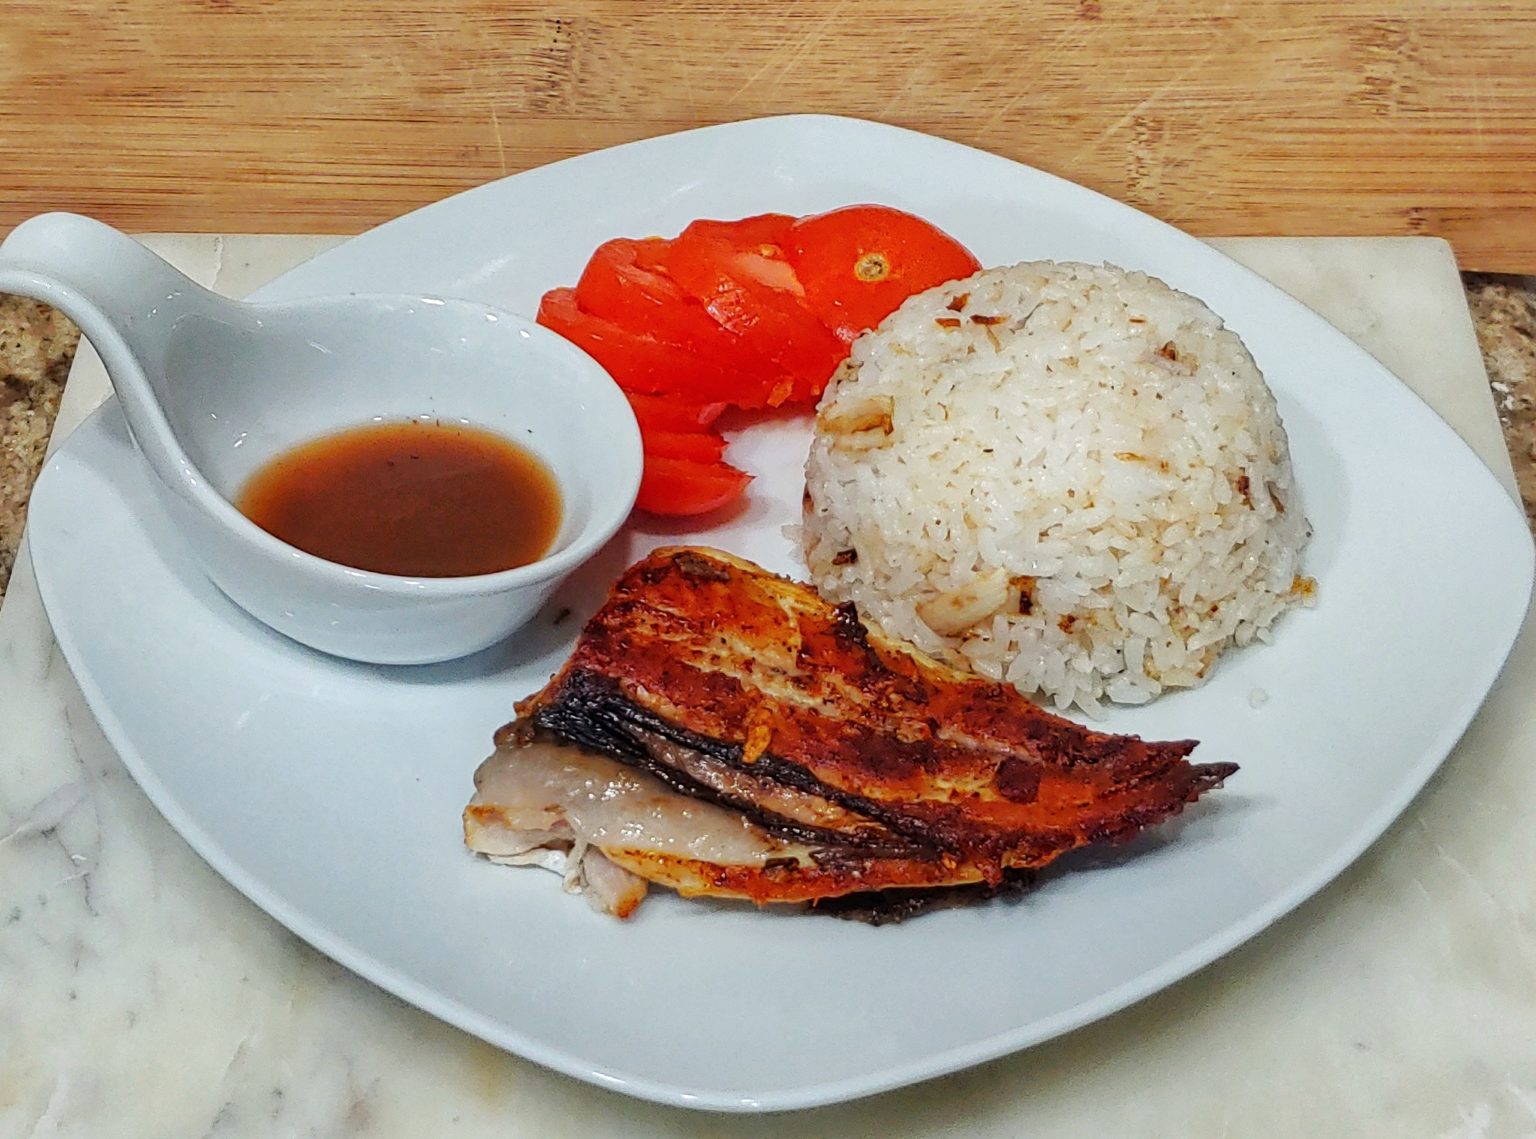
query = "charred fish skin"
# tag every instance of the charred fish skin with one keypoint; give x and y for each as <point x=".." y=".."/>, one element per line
<point x="592" y="711"/>
<point x="746" y="690"/>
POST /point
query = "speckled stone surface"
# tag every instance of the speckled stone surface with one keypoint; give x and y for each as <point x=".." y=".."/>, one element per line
<point x="37" y="345"/>
<point x="1504" y="314"/>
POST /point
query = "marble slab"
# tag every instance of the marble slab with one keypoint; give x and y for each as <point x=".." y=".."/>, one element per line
<point x="141" y="995"/>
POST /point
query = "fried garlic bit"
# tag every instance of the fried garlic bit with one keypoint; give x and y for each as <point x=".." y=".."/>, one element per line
<point x="859" y="424"/>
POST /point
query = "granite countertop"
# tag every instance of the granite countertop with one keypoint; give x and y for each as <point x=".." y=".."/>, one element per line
<point x="37" y="345"/>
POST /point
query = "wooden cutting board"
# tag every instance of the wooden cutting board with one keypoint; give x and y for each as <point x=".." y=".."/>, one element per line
<point x="1289" y="117"/>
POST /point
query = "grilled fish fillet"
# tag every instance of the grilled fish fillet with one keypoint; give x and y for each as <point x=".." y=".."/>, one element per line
<point x="724" y="731"/>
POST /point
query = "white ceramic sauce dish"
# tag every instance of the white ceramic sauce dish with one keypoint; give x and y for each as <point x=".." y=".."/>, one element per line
<point x="214" y="389"/>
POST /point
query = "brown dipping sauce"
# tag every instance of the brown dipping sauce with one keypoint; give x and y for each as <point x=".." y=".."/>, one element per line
<point x="417" y="499"/>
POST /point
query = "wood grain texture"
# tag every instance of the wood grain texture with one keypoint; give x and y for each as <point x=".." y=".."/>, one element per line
<point x="1296" y="117"/>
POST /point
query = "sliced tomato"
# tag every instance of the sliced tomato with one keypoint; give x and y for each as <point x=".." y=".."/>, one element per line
<point x="698" y="446"/>
<point x="637" y="362"/>
<point x="682" y="486"/>
<point x="857" y="264"/>
<point x="624" y="282"/>
<point x="739" y="272"/>
<point x="750" y="313"/>
<point x="660" y="413"/>
<point x="760" y="241"/>
<point x="619" y="285"/>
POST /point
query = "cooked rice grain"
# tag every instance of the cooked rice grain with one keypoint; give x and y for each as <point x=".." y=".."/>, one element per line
<point x="1067" y="476"/>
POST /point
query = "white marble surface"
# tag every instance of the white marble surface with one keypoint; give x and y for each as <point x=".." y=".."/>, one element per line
<point x="142" y="996"/>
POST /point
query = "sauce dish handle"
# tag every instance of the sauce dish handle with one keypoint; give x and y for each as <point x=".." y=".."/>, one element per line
<point x="126" y="301"/>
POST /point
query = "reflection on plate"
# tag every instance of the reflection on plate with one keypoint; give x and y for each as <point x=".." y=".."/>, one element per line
<point x="330" y="793"/>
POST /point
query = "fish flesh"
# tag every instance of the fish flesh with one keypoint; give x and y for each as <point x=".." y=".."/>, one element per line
<point x="726" y="732"/>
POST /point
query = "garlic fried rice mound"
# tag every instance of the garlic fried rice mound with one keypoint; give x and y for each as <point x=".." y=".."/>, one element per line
<point x="1065" y="476"/>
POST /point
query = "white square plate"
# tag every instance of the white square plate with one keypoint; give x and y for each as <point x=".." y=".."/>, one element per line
<point x="330" y="793"/>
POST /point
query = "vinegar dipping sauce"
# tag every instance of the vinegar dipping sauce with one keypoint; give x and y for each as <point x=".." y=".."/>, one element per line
<point x="418" y="498"/>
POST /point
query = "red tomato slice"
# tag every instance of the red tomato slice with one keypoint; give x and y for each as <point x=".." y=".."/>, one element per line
<point x="857" y="264"/>
<point x="620" y="285"/>
<point x="623" y="282"/>
<point x="761" y="242"/>
<point x="696" y="446"/>
<point x="681" y="487"/>
<point x="739" y="272"/>
<point x="660" y="413"/>
<point x="637" y="362"/>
